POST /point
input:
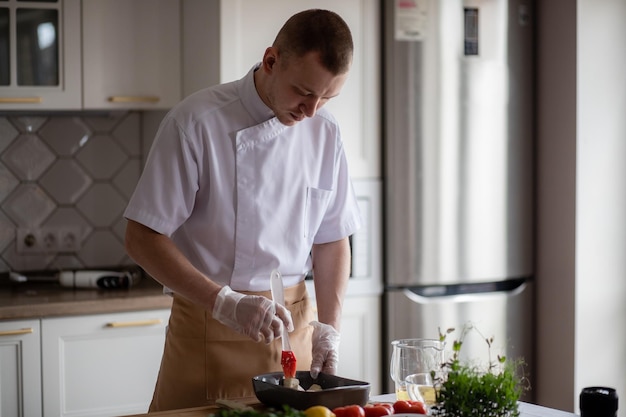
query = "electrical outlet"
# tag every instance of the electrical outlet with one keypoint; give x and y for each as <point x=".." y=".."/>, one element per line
<point x="48" y="240"/>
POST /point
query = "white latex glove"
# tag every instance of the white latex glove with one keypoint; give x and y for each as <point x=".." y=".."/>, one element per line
<point x="325" y="349"/>
<point x="254" y="316"/>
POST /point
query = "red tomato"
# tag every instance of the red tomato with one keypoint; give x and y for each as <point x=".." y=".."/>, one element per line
<point x="349" y="411"/>
<point x="377" y="410"/>
<point x="408" y="406"/>
<point x="388" y="406"/>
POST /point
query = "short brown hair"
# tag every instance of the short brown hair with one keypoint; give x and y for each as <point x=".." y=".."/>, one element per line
<point x="320" y="31"/>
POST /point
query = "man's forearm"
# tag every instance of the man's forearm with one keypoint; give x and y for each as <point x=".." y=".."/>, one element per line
<point x="331" y="271"/>
<point x="160" y="258"/>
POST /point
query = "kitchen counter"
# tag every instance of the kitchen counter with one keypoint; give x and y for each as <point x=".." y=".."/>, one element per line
<point x="526" y="409"/>
<point x="49" y="299"/>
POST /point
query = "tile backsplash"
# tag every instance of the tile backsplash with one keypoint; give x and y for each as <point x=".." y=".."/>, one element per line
<point x="75" y="171"/>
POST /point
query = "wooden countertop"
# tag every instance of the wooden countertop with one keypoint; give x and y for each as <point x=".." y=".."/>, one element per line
<point x="41" y="299"/>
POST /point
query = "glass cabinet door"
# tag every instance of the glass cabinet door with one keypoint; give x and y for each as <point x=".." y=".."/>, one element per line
<point x="29" y="48"/>
<point x="37" y="48"/>
<point x="34" y="49"/>
<point x="5" y="30"/>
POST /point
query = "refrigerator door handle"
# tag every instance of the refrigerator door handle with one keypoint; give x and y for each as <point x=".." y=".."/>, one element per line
<point x="437" y="294"/>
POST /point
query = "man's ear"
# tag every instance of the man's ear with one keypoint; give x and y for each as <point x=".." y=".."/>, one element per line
<point x="269" y="58"/>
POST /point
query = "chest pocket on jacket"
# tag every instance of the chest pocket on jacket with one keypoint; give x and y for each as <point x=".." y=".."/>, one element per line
<point x="317" y="201"/>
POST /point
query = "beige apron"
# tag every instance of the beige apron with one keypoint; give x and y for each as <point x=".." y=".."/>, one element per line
<point x="204" y="360"/>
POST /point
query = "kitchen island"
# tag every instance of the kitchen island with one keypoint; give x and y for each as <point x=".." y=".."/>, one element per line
<point x="526" y="409"/>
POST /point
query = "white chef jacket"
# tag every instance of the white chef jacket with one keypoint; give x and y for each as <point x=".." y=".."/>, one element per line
<point x="240" y="193"/>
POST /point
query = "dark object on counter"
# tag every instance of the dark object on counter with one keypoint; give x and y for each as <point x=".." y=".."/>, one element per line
<point x="105" y="280"/>
<point x="336" y="391"/>
<point x="85" y="278"/>
<point x="598" y="402"/>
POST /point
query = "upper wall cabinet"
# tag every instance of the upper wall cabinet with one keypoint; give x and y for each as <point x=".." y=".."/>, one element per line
<point x="248" y="27"/>
<point x="40" y="55"/>
<point x="131" y="54"/>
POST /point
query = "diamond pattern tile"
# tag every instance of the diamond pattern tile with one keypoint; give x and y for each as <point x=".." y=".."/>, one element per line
<point x="126" y="180"/>
<point x="28" y="206"/>
<point x="65" y="135"/>
<point x="101" y="157"/>
<point x="29" y="124"/>
<point x="104" y="124"/>
<point x="125" y="131"/>
<point x="66" y="181"/>
<point x="67" y="262"/>
<point x="26" y="262"/>
<point x="7" y="133"/>
<point x="28" y="157"/>
<point x="77" y="170"/>
<point x="8" y="182"/>
<point x="69" y="216"/>
<point x="101" y="205"/>
<point x="92" y="254"/>
<point x="119" y="228"/>
<point x="7" y="231"/>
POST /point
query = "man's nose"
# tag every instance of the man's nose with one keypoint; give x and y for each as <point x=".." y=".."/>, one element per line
<point x="310" y="106"/>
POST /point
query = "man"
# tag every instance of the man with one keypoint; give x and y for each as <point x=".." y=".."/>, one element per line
<point x="243" y="178"/>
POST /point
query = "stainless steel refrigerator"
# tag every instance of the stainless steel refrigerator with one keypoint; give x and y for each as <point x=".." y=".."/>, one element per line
<point x="459" y="173"/>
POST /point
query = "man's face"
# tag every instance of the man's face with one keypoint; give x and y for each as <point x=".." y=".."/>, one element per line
<point x="296" y="90"/>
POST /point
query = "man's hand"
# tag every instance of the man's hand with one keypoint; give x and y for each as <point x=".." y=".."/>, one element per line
<point x="325" y="349"/>
<point x="251" y="315"/>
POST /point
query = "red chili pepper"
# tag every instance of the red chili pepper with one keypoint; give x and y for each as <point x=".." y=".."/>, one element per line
<point x="288" y="362"/>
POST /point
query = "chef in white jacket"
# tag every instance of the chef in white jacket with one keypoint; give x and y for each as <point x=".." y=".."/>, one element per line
<point x="243" y="178"/>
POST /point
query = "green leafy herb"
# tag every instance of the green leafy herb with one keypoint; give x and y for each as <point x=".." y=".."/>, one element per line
<point x="286" y="411"/>
<point x="467" y="390"/>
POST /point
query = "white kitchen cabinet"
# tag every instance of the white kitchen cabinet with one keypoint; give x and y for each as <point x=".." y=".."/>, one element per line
<point x="20" y="362"/>
<point x="40" y="66"/>
<point x="248" y="27"/>
<point x="131" y="54"/>
<point x="360" y="344"/>
<point x="101" y="365"/>
<point x="359" y="349"/>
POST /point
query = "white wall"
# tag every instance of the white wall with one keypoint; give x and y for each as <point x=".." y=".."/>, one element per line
<point x="601" y="197"/>
<point x="581" y="231"/>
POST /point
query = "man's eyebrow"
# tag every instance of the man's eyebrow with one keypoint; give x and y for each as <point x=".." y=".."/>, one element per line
<point x="310" y="91"/>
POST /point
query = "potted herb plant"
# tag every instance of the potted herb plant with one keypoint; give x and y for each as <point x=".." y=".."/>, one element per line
<point x="467" y="389"/>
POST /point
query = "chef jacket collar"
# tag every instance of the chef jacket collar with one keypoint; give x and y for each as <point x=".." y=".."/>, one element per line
<point x="251" y="99"/>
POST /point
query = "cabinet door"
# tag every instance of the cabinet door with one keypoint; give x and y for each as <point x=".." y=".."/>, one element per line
<point x="131" y="54"/>
<point x="248" y="27"/>
<point x="359" y="349"/>
<point x="40" y="55"/>
<point x="101" y="365"/>
<point x="20" y="362"/>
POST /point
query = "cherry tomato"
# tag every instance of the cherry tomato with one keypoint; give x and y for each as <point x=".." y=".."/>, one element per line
<point x="409" y="407"/>
<point x="349" y="411"/>
<point x="388" y="406"/>
<point x="377" y="410"/>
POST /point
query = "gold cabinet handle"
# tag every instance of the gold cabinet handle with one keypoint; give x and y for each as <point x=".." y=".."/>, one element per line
<point x="16" y="332"/>
<point x="19" y="100"/>
<point x="136" y="323"/>
<point x="134" y="99"/>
